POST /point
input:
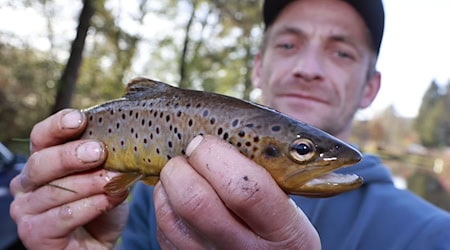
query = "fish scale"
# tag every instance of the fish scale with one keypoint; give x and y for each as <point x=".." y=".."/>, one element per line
<point x="154" y="122"/>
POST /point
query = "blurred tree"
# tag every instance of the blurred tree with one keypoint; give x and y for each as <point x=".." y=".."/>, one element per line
<point x="66" y="85"/>
<point x="220" y="39"/>
<point x="26" y="91"/>
<point x="433" y="121"/>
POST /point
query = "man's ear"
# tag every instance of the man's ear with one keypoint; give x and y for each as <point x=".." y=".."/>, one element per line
<point x="370" y="91"/>
<point x="256" y="72"/>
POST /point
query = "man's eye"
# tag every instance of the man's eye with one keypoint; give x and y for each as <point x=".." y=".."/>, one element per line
<point x="286" y="46"/>
<point x="343" y="54"/>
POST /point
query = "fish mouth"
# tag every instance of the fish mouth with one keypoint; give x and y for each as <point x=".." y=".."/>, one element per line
<point x="318" y="180"/>
<point x="330" y="184"/>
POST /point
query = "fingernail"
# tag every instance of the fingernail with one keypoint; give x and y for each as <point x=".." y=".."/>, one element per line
<point x="193" y="145"/>
<point x="89" y="152"/>
<point x="72" y="119"/>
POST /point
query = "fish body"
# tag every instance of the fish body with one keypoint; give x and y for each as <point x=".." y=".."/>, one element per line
<point x="154" y="122"/>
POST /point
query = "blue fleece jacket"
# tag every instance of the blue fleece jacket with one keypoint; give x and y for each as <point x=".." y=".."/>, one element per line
<point x="375" y="216"/>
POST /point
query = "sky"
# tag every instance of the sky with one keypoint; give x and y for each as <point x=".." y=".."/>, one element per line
<point x="415" y="48"/>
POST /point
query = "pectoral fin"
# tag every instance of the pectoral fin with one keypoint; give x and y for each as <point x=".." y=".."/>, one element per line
<point x="121" y="183"/>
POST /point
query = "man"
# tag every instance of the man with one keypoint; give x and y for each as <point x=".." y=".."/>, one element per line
<point x="317" y="64"/>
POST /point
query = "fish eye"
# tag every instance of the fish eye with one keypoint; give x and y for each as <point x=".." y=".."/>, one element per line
<point x="302" y="149"/>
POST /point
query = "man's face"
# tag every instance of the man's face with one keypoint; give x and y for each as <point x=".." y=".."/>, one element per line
<point x="317" y="65"/>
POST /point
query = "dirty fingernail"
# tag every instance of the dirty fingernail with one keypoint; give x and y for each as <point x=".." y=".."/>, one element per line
<point x="193" y="144"/>
<point x="72" y="119"/>
<point x="89" y="152"/>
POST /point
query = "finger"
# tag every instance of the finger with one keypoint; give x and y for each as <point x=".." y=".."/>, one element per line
<point x="57" y="129"/>
<point x="187" y="199"/>
<point x="56" y="162"/>
<point x="246" y="188"/>
<point x="62" y="191"/>
<point x="56" y="223"/>
<point x="172" y="230"/>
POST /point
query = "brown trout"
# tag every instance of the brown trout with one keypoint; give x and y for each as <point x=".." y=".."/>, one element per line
<point x="154" y="122"/>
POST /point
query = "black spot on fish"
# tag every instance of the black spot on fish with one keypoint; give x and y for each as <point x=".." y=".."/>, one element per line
<point x="176" y="105"/>
<point x="109" y="130"/>
<point x="190" y="122"/>
<point x="225" y="136"/>
<point x="249" y="125"/>
<point x="183" y="152"/>
<point x="157" y="150"/>
<point x="132" y="130"/>
<point x="155" y="114"/>
<point x="179" y="114"/>
<point x="175" y="130"/>
<point x="276" y="128"/>
<point x="149" y="160"/>
<point x="205" y="113"/>
<point x="271" y="151"/>
<point x="198" y="105"/>
<point x="170" y="127"/>
<point x="151" y="136"/>
<point x="169" y="143"/>
<point x="161" y="115"/>
<point x="212" y="121"/>
<point x="111" y="111"/>
<point x="150" y="123"/>
<point x="124" y="117"/>
<point x="113" y="149"/>
<point x="157" y="130"/>
<point x="220" y="131"/>
<point x="91" y="118"/>
<point x="188" y="105"/>
<point x="135" y="149"/>
<point x="167" y="118"/>
<point x="131" y="113"/>
<point x="255" y="139"/>
<point x="136" y="135"/>
<point x="137" y="115"/>
<point x="248" y="144"/>
<point x="241" y="133"/>
<point x="168" y="157"/>
<point x="239" y="144"/>
<point x="100" y="119"/>
<point x="235" y="123"/>
<point x="143" y="122"/>
<point x="245" y="178"/>
<point x="122" y="143"/>
<point x="90" y="132"/>
<point x="145" y="141"/>
<point x="179" y="136"/>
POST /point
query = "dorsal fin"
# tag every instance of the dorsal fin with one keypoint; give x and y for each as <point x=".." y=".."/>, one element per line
<point x="140" y="86"/>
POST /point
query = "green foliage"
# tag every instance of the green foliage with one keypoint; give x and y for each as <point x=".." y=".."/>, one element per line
<point x="433" y="121"/>
<point x="26" y="89"/>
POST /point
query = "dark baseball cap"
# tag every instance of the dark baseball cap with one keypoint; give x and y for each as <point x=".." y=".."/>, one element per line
<point x="371" y="11"/>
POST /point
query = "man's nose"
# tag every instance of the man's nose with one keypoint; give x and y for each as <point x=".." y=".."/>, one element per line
<point x="309" y="65"/>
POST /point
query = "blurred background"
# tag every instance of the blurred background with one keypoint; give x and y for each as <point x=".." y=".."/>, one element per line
<point x="57" y="54"/>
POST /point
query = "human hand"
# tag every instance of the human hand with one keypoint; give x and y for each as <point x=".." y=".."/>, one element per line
<point x="48" y="214"/>
<point x="217" y="198"/>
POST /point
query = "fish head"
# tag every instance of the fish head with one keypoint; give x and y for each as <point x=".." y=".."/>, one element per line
<point x="302" y="161"/>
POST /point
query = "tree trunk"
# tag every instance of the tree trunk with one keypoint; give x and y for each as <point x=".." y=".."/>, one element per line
<point x="67" y="83"/>
<point x="183" y="58"/>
